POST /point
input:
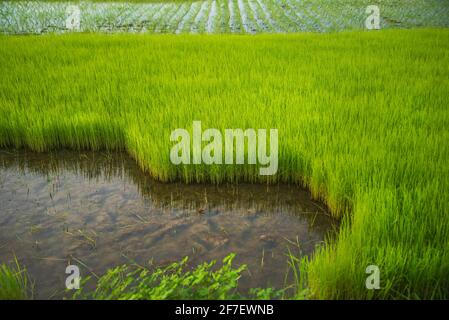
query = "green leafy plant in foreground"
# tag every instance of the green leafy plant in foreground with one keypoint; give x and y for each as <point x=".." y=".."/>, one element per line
<point x="172" y="282"/>
<point x="14" y="282"/>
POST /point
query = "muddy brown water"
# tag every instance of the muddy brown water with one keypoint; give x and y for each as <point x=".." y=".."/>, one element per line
<point x="99" y="210"/>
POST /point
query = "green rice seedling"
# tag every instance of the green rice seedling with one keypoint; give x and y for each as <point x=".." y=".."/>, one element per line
<point x="14" y="282"/>
<point x="173" y="282"/>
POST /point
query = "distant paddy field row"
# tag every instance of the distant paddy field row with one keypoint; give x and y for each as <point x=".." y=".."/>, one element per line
<point x="218" y="16"/>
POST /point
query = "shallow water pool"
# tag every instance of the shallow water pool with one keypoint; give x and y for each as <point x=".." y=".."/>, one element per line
<point x="99" y="210"/>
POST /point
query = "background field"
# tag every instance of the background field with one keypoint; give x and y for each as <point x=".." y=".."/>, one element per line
<point x="222" y="16"/>
<point x="362" y="121"/>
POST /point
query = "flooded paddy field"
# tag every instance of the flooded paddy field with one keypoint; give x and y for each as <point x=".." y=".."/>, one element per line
<point x="217" y="16"/>
<point x="99" y="210"/>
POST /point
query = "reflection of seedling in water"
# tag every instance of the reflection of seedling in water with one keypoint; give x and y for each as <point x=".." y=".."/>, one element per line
<point x="312" y="224"/>
<point x="202" y="209"/>
<point x="58" y="215"/>
<point x="296" y="244"/>
<point x="143" y="220"/>
<point x="223" y="230"/>
<point x="205" y="196"/>
<point x="84" y="237"/>
<point x="251" y="211"/>
<point x="36" y="244"/>
<point x="35" y="229"/>
<point x="83" y="264"/>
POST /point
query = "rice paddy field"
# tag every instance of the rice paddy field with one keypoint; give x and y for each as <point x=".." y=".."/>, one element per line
<point x="220" y="16"/>
<point x="362" y="116"/>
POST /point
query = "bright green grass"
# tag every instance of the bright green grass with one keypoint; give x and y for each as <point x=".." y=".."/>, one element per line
<point x="363" y="122"/>
<point x="14" y="283"/>
<point x="173" y="282"/>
